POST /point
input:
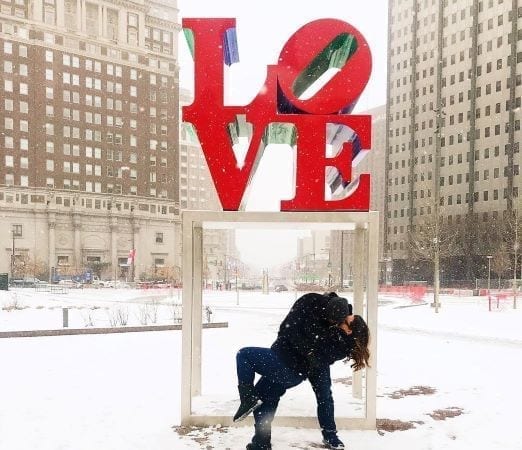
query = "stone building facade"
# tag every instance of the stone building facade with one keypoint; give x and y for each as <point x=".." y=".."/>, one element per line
<point x="90" y="135"/>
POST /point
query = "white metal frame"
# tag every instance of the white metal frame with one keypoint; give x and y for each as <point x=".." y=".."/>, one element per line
<point x="366" y="225"/>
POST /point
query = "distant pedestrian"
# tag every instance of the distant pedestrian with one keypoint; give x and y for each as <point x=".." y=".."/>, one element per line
<point x="318" y="330"/>
<point x="208" y="312"/>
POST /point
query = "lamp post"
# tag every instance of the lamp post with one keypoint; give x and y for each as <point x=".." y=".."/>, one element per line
<point x="237" y="288"/>
<point x="436" y="241"/>
<point x="342" y="260"/>
<point x="225" y="274"/>
<point x="329" y="274"/>
<point x="489" y="279"/>
<point x="515" y="248"/>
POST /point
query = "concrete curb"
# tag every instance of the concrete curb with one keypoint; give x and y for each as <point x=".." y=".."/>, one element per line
<point x="78" y="331"/>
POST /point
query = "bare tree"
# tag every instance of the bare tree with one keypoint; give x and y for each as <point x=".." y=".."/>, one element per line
<point x="432" y="239"/>
<point x="424" y="239"/>
<point x="500" y="262"/>
<point x="172" y="274"/>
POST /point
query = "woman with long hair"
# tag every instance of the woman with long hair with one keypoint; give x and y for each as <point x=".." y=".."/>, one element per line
<point x="318" y="330"/>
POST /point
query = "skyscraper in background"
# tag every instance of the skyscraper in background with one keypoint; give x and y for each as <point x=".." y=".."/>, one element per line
<point x="197" y="192"/>
<point x="453" y="121"/>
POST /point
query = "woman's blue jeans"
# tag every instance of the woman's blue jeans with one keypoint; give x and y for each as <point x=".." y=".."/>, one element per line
<point x="275" y="379"/>
<point x="267" y="363"/>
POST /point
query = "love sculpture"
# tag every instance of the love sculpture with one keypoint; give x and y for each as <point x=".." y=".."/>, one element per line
<point x="285" y="108"/>
<point x="313" y="49"/>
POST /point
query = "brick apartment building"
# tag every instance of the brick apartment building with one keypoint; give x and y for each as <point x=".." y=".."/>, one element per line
<point x="89" y="131"/>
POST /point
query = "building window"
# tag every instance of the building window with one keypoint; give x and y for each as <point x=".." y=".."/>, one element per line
<point x="49" y="12"/>
<point x="63" y="260"/>
<point x="112" y="24"/>
<point x="159" y="238"/>
<point x="159" y="262"/>
<point x="8" y="85"/>
<point x="132" y="29"/>
<point x="17" y="230"/>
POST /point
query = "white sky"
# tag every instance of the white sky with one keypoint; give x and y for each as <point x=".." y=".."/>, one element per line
<point x="263" y="27"/>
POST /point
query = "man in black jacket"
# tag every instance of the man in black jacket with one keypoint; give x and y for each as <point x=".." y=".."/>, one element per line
<point x="314" y="335"/>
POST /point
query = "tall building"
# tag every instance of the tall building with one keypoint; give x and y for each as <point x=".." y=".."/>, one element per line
<point x="196" y="188"/>
<point x="89" y="128"/>
<point x="453" y="112"/>
<point x="312" y="264"/>
<point x="342" y="243"/>
<point x="197" y="192"/>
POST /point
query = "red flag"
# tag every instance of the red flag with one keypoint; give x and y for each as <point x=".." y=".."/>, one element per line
<point x="132" y="256"/>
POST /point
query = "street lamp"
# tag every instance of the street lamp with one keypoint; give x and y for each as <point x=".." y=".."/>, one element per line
<point x="489" y="279"/>
<point x="489" y="270"/>
<point x="342" y="260"/>
<point x="436" y="184"/>
<point x="329" y="273"/>
<point x="225" y="275"/>
<point x="515" y="248"/>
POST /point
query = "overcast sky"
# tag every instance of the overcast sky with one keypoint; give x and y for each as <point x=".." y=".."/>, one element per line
<point x="263" y="27"/>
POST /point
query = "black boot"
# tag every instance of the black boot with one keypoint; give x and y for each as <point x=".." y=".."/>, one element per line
<point x="332" y="441"/>
<point x="249" y="401"/>
<point x="253" y="446"/>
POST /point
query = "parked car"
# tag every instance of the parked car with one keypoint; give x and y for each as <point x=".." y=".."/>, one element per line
<point x="26" y="282"/>
<point x="280" y="288"/>
<point x="115" y="284"/>
<point x="71" y="284"/>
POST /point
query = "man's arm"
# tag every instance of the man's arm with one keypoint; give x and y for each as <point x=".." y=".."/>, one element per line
<point x="298" y="326"/>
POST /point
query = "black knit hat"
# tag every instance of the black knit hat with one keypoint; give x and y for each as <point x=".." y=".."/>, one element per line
<point x="338" y="308"/>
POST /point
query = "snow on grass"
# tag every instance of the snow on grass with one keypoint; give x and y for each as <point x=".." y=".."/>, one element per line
<point x="445" y="381"/>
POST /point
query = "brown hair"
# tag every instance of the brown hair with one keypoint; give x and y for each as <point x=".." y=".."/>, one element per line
<point x="361" y="335"/>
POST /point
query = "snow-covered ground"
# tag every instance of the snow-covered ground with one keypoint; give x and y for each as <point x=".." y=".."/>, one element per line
<point x="121" y="392"/>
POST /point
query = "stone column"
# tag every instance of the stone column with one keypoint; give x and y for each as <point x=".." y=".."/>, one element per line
<point x="79" y="15"/>
<point x="104" y="21"/>
<point x="60" y="10"/>
<point x="177" y="248"/>
<point x="141" y="30"/>
<point x="135" y="245"/>
<point x="37" y="11"/>
<point x="77" y="227"/>
<point x="83" y="16"/>
<point x="101" y="30"/>
<point x="51" y="223"/>
<point x="114" y="247"/>
<point x="122" y="25"/>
